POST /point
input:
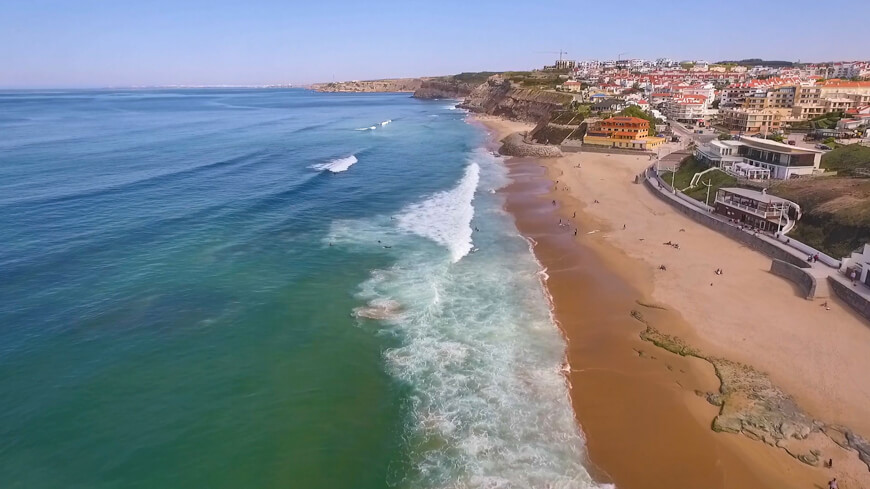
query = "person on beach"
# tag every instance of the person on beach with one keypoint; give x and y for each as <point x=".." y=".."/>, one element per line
<point x="554" y="202"/>
<point x="623" y="227"/>
<point x="575" y="231"/>
<point x="832" y="484"/>
<point x="575" y="214"/>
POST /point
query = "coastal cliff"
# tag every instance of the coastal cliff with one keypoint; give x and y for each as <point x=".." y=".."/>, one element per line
<point x="454" y="86"/>
<point x="499" y="97"/>
<point x="387" y="85"/>
<point x="443" y="88"/>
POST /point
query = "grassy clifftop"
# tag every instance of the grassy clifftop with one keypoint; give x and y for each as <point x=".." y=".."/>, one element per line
<point x="688" y="168"/>
<point x="847" y="158"/>
<point x="836" y="212"/>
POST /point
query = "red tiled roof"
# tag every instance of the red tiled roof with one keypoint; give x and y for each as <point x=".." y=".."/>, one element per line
<point x="625" y="118"/>
<point x="844" y="84"/>
<point x="770" y="82"/>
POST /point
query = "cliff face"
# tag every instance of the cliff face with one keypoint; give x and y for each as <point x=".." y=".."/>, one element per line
<point x="391" y="85"/>
<point x="443" y="88"/>
<point x="499" y="97"/>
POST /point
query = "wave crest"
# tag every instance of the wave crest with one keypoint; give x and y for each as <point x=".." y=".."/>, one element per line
<point x="337" y="165"/>
<point x="445" y="217"/>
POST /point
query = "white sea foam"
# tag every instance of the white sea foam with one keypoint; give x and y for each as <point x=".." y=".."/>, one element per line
<point x="337" y="165"/>
<point x="386" y="122"/>
<point x="445" y="217"/>
<point x="479" y="351"/>
<point x="370" y="128"/>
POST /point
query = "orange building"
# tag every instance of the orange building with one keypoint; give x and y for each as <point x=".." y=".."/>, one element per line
<point x="622" y="132"/>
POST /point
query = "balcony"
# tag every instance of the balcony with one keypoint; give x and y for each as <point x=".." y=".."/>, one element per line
<point x="764" y="214"/>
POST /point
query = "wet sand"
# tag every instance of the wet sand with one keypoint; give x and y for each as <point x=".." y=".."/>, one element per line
<point x="636" y="403"/>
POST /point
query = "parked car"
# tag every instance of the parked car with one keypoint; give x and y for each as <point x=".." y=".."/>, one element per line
<point x="791" y="142"/>
<point x="823" y="146"/>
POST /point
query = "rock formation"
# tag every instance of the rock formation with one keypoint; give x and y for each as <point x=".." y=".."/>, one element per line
<point x="517" y="145"/>
<point x="447" y="87"/>
<point x="498" y="96"/>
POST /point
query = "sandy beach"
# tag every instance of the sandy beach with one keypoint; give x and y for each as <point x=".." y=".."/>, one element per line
<point x="642" y="408"/>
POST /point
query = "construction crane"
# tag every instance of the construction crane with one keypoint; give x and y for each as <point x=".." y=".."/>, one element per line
<point x="559" y="52"/>
<point x="619" y="56"/>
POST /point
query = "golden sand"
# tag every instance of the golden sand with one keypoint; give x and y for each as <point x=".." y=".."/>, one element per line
<point x="636" y="403"/>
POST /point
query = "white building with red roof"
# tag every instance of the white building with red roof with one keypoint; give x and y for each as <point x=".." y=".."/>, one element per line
<point x="688" y="108"/>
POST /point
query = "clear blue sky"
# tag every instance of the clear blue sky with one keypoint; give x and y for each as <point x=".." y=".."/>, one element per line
<point x="86" y="43"/>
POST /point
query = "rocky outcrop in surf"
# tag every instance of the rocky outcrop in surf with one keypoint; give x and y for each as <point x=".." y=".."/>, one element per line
<point x="517" y="145"/>
<point x="499" y="97"/>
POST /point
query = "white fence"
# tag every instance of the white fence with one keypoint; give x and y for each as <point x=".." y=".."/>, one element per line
<point x="809" y="251"/>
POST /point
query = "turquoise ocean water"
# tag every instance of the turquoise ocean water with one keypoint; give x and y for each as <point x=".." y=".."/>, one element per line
<point x="268" y="289"/>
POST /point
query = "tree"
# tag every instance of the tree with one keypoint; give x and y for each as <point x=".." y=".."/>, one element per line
<point x="724" y="137"/>
<point x="635" y="111"/>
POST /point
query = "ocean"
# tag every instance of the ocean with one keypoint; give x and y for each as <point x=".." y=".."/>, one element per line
<point x="234" y="288"/>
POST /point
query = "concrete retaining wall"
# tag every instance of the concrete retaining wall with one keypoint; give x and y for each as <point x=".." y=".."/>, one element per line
<point x="810" y="251"/>
<point x="801" y="278"/>
<point x="732" y="232"/>
<point x="589" y="148"/>
<point x="855" y="300"/>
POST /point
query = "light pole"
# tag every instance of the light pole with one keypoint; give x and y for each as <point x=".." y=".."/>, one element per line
<point x="708" y="184"/>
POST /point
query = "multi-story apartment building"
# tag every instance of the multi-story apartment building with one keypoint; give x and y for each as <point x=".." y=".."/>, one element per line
<point x="751" y="121"/>
<point x="735" y="94"/>
<point x="829" y="96"/>
<point x="687" y="108"/>
<point x="781" y="97"/>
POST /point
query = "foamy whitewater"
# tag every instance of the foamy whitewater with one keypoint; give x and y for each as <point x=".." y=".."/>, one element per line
<point x="479" y="348"/>
<point x="337" y="165"/>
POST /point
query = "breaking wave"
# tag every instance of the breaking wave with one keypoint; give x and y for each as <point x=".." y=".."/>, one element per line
<point x="372" y="128"/>
<point x="478" y="348"/>
<point x="337" y="165"/>
<point x="445" y="217"/>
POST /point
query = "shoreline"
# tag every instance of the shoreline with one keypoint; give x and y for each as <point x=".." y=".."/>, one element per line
<point x="645" y="412"/>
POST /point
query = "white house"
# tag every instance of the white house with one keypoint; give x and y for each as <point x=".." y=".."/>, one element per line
<point x="859" y="262"/>
<point x="784" y="161"/>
